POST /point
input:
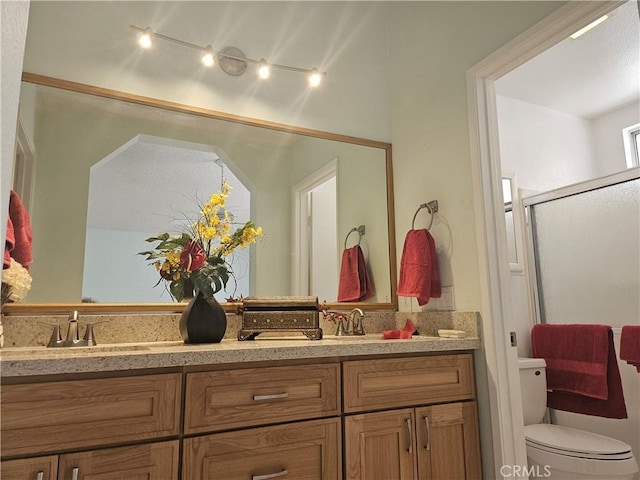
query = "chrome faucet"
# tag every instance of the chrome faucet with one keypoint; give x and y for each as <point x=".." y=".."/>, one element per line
<point x="355" y="323"/>
<point x="73" y="335"/>
<point x="350" y="324"/>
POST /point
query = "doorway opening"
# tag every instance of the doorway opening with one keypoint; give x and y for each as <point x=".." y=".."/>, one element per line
<point x="315" y="262"/>
<point x="500" y="354"/>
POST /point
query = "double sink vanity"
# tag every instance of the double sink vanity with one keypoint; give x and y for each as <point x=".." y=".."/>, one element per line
<point x="291" y="408"/>
<point x="141" y="403"/>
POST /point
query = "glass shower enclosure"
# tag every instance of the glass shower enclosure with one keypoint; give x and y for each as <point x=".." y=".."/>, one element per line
<point x="584" y="262"/>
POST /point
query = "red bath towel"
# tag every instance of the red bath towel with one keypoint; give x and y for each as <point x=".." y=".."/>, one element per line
<point x="419" y="276"/>
<point x="9" y="243"/>
<point x="19" y="234"/>
<point x="355" y="283"/>
<point x="582" y="368"/>
<point x="630" y="345"/>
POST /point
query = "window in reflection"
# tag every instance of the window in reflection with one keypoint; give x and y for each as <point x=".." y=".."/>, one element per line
<point x="508" y="216"/>
<point x="513" y="223"/>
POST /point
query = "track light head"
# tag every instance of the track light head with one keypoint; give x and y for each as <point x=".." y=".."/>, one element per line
<point x="145" y="38"/>
<point x="208" y="58"/>
<point x="263" y="69"/>
<point x="315" y="78"/>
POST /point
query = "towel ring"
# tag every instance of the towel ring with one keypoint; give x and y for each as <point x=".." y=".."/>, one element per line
<point x="360" y="231"/>
<point x="432" y="206"/>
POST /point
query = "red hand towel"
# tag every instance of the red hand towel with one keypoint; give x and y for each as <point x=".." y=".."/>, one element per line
<point x="354" y="284"/>
<point x="407" y="332"/>
<point x="419" y="276"/>
<point x="349" y="285"/>
<point x="22" y="234"/>
<point x="582" y="369"/>
<point x="366" y="287"/>
<point x="8" y="245"/>
<point x="630" y="345"/>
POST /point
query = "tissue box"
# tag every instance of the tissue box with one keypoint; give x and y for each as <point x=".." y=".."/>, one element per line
<point x="280" y="314"/>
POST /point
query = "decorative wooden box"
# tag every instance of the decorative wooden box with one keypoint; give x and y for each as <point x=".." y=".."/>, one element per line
<point x="280" y="314"/>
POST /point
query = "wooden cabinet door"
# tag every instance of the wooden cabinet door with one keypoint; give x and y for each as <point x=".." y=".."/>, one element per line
<point x="448" y="445"/>
<point x="380" y="446"/>
<point x="299" y="451"/>
<point x="40" y="468"/>
<point x="153" y="461"/>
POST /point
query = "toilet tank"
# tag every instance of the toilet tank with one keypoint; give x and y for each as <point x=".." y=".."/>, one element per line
<point x="533" y="386"/>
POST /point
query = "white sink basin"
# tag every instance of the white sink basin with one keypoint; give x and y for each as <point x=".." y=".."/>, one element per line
<point x="13" y="352"/>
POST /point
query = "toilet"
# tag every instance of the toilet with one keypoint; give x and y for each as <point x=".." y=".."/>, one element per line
<point x="558" y="452"/>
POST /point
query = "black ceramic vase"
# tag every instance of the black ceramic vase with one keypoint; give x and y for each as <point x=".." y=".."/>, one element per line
<point x="203" y="321"/>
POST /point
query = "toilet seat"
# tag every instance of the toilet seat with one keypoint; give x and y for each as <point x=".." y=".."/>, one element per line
<point x="576" y="443"/>
<point x="569" y="450"/>
<point x="568" y="453"/>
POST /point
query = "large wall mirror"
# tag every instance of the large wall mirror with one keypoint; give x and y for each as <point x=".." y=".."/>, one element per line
<point x="112" y="169"/>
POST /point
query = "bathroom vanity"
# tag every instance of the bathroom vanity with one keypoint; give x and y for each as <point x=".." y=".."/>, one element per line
<point x="351" y="408"/>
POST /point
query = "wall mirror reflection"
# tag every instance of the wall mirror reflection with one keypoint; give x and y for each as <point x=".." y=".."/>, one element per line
<point x="113" y="169"/>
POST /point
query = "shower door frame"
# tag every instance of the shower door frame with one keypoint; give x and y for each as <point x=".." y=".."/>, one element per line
<point x="529" y="202"/>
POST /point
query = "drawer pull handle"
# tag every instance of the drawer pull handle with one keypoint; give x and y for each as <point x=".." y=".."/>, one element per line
<point x="409" y="435"/>
<point x="427" y="444"/>
<point x="257" y="398"/>
<point x="270" y="475"/>
<point x="40" y="475"/>
<point x="74" y="473"/>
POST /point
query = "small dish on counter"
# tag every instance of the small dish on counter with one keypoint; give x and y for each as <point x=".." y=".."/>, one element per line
<point x="452" y="333"/>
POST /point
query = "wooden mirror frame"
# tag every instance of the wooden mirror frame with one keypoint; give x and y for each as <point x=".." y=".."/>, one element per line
<point x="21" y="309"/>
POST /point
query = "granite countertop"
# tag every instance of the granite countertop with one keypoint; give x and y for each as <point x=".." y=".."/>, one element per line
<point x="25" y="361"/>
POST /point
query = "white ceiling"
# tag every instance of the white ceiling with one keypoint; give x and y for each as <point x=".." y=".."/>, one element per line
<point x="141" y="186"/>
<point x="587" y="77"/>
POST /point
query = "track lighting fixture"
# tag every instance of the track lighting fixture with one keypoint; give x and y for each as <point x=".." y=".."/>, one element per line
<point x="231" y="60"/>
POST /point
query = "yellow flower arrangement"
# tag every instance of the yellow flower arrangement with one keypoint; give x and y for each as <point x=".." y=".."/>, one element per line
<point x="197" y="257"/>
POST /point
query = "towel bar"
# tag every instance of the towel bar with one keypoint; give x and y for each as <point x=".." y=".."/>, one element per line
<point x="432" y="206"/>
<point x="360" y="231"/>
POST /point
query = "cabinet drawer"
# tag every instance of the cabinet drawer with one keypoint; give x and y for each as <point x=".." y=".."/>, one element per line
<point x="301" y="451"/>
<point x="40" y="468"/>
<point x="398" y="382"/>
<point x="228" y="399"/>
<point x="55" y="416"/>
<point x="150" y="461"/>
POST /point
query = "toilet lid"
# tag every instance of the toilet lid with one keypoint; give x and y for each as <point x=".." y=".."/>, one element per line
<point x="569" y="441"/>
